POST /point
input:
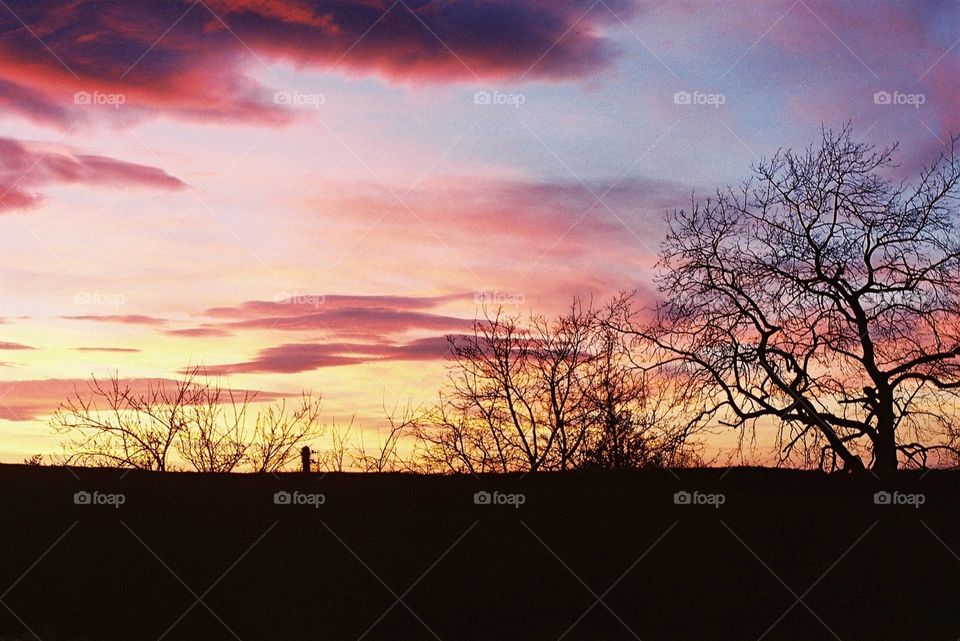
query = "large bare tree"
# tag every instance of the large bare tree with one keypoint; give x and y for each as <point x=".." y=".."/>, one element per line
<point x="547" y="394"/>
<point x="820" y="298"/>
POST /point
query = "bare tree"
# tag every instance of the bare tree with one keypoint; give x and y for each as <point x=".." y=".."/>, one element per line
<point x="192" y="420"/>
<point x="334" y="457"/>
<point x="512" y="392"/>
<point x="548" y="395"/>
<point x="637" y="418"/>
<point x="561" y="362"/>
<point x="459" y="436"/>
<point x="820" y="297"/>
<point x="215" y="438"/>
<point x="279" y="432"/>
<point x="113" y="425"/>
<point x="384" y="455"/>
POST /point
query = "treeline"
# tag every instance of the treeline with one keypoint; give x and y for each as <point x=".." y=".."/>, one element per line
<point x="520" y="395"/>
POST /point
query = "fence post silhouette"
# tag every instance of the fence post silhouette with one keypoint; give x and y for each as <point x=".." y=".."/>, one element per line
<point x="305" y="458"/>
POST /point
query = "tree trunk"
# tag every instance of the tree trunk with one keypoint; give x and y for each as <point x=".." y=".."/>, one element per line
<point x="885" y="453"/>
<point x="885" y="443"/>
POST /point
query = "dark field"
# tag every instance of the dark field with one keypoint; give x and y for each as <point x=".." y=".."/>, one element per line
<point x="788" y="555"/>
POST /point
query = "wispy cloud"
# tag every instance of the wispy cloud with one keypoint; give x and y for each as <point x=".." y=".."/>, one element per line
<point x="25" y="167"/>
<point x="339" y="315"/>
<point x="15" y="346"/>
<point x="125" y="319"/>
<point x="292" y="358"/>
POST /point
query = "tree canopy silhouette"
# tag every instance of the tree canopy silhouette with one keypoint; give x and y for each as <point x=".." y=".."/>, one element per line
<point x="821" y="298"/>
<point x="550" y="394"/>
<point x="207" y="427"/>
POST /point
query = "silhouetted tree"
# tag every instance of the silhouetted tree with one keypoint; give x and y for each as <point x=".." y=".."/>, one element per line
<point x="191" y="420"/>
<point x="514" y="398"/>
<point x="551" y="394"/>
<point x="384" y="455"/>
<point x="636" y="419"/>
<point x="114" y="426"/>
<point x="279" y="432"/>
<point x="213" y="436"/>
<point x="821" y="297"/>
<point x="334" y="458"/>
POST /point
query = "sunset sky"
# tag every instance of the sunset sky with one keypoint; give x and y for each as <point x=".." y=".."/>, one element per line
<point x="312" y="194"/>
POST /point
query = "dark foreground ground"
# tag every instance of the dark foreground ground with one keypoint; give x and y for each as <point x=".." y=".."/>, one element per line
<point x="788" y="555"/>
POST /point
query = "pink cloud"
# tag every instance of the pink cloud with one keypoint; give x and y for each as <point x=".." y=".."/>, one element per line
<point x="126" y="319"/>
<point x="291" y="304"/>
<point x="355" y="322"/>
<point x="198" y="332"/>
<point x="15" y="346"/>
<point x="514" y="213"/>
<point x="288" y="11"/>
<point x="529" y="243"/>
<point x="347" y="316"/>
<point x="24" y="167"/>
<point x="304" y="357"/>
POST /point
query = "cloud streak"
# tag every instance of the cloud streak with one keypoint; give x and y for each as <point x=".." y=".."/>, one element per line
<point x="344" y="316"/>
<point x="292" y="358"/>
<point x="15" y="346"/>
<point x="124" y="319"/>
<point x="199" y="332"/>
<point x="25" y="167"/>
